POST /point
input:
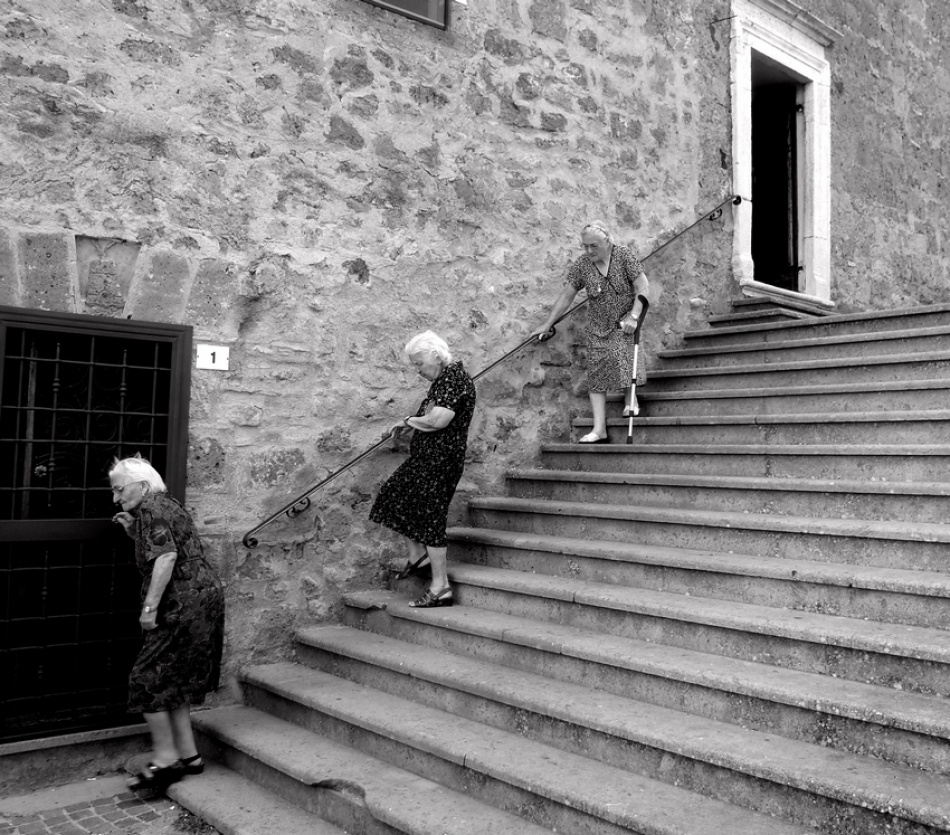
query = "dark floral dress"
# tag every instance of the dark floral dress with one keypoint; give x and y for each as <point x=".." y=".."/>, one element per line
<point x="180" y="660"/>
<point x="414" y="501"/>
<point x="610" y="298"/>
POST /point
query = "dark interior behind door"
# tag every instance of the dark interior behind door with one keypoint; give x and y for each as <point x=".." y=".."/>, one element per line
<point x="775" y="185"/>
<point x="76" y="392"/>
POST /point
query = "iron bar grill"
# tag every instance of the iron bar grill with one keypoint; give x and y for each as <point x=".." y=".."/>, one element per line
<point x="69" y="589"/>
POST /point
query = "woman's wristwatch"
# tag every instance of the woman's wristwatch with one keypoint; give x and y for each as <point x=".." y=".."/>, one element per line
<point x="148" y="609"/>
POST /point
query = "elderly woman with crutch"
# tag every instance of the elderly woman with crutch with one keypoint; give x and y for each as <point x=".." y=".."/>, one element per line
<point x="415" y="499"/>
<point x="617" y="293"/>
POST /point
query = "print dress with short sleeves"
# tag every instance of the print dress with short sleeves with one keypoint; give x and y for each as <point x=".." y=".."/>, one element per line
<point x="415" y="499"/>
<point x="610" y="298"/>
<point x="180" y="660"/>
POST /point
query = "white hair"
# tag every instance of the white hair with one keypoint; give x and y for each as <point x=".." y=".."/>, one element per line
<point x="139" y="469"/>
<point x="597" y="226"/>
<point x="428" y="342"/>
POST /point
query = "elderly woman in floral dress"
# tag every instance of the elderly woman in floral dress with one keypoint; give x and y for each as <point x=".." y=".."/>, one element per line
<point x="414" y="501"/>
<point x="614" y="280"/>
<point x="182" y="618"/>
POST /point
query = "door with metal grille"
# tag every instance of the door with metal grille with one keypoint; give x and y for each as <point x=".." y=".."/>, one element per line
<point x="76" y="392"/>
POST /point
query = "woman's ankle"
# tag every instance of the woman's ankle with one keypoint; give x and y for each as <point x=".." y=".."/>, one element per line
<point x="158" y="763"/>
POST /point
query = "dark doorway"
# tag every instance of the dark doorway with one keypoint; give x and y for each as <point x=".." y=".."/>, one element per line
<point x="75" y="392"/>
<point x="777" y="120"/>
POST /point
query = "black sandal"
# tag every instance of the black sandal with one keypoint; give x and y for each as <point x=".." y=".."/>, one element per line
<point x="192" y="765"/>
<point x="157" y="778"/>
<point x="431" y="601"/>
<point x="413" y="568"/>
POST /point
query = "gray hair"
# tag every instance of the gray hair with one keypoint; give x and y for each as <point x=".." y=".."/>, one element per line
<point x="428" y="342"/>
<point x="597" y="226"/>
<point x="139" y="469"/>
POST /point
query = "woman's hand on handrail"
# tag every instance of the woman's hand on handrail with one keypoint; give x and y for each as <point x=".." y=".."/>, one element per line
<point x="560" y="307"/>
<point x="396" y="430"/>
<point x="543" y="333"/>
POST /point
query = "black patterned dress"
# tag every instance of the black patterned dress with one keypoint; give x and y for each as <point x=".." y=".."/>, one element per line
<point x="414" y="501"/>
<point x="611" y="296"/>
<point x="180" y="660"/>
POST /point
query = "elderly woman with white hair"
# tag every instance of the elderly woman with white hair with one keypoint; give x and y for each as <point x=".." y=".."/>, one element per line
<point x="414" y="501"/>
<point x="182" y="617"/>
<point x="614" y="280"/>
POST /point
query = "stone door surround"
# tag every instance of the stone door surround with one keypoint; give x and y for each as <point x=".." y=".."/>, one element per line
<point x="797" y="41"/>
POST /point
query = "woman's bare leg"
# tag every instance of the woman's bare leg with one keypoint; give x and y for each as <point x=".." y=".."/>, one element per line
<point x="598" y="405"/>
<point x="440" y="574"/>
<point x="164" y="751"/>
<point x="182" y="732"/>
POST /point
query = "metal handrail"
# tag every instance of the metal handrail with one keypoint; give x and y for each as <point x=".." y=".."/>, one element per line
<point x="302" y="502"/>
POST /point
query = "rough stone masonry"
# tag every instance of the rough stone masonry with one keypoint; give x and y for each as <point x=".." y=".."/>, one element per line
<point x="310" y="183"/>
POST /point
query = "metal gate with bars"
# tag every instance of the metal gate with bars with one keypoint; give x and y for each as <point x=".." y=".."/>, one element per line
<point x="76" y="392"/>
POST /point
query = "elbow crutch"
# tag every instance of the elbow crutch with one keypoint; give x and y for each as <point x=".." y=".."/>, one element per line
<point x="634" y="408"/>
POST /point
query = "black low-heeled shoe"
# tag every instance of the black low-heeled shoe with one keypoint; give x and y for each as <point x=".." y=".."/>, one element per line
<point x="157" y="778"/>
<point x="432" y="601"/>
<point x="415" y="568"/>
<point x="192" y="765"/>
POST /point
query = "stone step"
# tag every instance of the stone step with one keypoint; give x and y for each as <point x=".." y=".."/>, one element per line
<point x="897" y="427"/>
<point x="358" y="792"/>
<point x="840" y="499"/>
<point x="801" y="305"/>
<point x="903" y="342"/>
<point x="234" y="805"/>
<point x="898" y="463"/>
<point x="794" y="780"/>
<point x="833" y="325"/>
<point x="887" y="368"/>
<point x="914" y="545"/>
<point x="884" y="722"/>
<point x="903" y="395"/>
<point x="755" y="317"/>
<point x="916" y="598"/>
<point x="567" y="792"/>
<point x="868" y="651"/>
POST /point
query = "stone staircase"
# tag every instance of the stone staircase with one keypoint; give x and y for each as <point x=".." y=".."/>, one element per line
<point x="736" y="624"/>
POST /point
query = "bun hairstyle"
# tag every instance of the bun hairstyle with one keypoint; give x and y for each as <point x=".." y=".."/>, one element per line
<point x="427" y="341"/>
<point x="597" y="226"/>
<point x="137" y="469"/>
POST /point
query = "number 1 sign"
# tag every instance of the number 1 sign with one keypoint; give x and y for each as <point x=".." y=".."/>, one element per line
<point x="214" y="357"/>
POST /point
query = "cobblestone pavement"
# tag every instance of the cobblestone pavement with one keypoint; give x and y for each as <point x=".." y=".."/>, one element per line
<point x="122" y="813"/>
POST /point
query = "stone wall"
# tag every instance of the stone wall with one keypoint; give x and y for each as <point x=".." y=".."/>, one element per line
<point x="891" y="156"/>
<point x="310" y="183"/>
